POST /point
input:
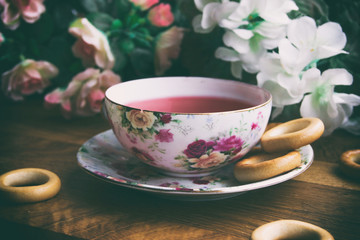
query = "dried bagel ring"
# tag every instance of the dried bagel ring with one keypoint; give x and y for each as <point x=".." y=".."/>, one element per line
<point x="292" y="135"/>
<point x="266" y="165"/>
<point x="350" y="163"/>
<point x="29" y="185"/>
<point x="290" y="229"/>
<point x="271" y="125"/>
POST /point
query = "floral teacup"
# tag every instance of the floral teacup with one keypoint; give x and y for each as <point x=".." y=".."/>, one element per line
<point x="187" y="126"/>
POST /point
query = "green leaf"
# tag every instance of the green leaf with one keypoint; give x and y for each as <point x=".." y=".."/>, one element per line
<point x="94" y="5"/>
<point x="142" y="61"/>
<point x="120" y="8"/>
<point x="116" y="24"/>
<point x="40" y="30"/>
<point x="127" y="45"/>
<point x="101" y="21"/>
<point x="120" y="57"/>
<point x="62" y="15"/>
<point x="317" y="9"/>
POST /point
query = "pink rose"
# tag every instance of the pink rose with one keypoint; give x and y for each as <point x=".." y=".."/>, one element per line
<point x="166" y="118"/>
<point x="144" y="4"/>
<point x="167" y="48"/>
<point x="92" y="45"/>
<point x="29" y="10"/>
<point x="164" y="135"/>
<point x="161" y="15"/>
<point x="254" y="126"/>
<point x="27" y="77"/>
<point x="196" y="149"/>
<point x="84" y="94"/>
<point x="232" y="143"/>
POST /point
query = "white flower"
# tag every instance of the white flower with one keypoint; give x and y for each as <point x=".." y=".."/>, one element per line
<point x="249" y="61"/>
<point x="320" y="42"/>
<point x="214" y="13"/>
<point x="334" y="109"/>
<point x="304" y="46"/>
<point x="272" y="11"/>
<point x="266" y="18"/>
<point x="255" y="27"/>
<point x="285" y="87"/>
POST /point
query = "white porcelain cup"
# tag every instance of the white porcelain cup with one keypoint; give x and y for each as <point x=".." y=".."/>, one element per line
<point x="179" y="141"/>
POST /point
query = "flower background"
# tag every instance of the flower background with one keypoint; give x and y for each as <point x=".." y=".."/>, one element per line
<point x="328" y="102"/>
<point x="69" y="52"/>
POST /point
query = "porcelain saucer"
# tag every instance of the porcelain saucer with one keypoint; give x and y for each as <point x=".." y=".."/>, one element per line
<point x="103" y="156"/>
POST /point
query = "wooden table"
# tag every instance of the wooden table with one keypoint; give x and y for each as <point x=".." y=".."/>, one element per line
<point x="88" y="208"/>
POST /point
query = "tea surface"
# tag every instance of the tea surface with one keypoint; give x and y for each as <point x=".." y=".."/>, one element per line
<point x="191" y="104"/>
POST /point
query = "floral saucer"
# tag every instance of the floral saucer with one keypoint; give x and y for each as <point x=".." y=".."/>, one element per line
<point x="104" y="157"/>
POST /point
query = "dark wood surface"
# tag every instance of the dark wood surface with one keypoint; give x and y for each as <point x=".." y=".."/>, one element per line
<point x="88" y="208"/>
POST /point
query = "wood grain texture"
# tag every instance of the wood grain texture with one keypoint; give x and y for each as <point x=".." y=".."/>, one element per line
<point x="88" y="208"/>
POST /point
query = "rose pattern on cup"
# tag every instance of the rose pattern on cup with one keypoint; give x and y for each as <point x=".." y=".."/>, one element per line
<point x="154" y="129"/>
<point x="202" y="154"/>
<point x="145" y="124"/>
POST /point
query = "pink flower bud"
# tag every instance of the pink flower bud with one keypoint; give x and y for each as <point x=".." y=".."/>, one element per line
<point x="161" y="15"/>
<point x="27" y="78"/>
<point x="167" y="48"/>
<point x="29" y="10"/>
<point x="92" y="45"/>
<point x="53" y="98"/>
<point x="84" y="94"/>
<point x="95" y="99"/>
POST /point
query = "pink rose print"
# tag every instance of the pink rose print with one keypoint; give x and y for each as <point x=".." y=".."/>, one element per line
<point x="200" y="181"/>
<point x="170" y="184"/>
<point x="196" y="149"/>
<point x="210" y="144"/>
<point x="254" y="126"/>
<point x="183" y="189"/>
<point x="205" y="180"/>
<point x="132" y="139"/>
<point x="166" y="118"/>
<point x="232" y="143"/>
<point x="164" y="136"/>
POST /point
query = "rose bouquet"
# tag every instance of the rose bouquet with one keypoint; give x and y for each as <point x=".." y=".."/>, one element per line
<point x="72" y="51"/>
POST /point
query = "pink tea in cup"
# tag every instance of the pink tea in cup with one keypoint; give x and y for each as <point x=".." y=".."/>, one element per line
<point x="191" y="104"/>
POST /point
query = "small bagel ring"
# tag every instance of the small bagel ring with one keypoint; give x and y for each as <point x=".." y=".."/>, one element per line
<point x="29" y="185"/>
<point x="271" y="125"/>
<point x="292" y="135"/>
<point x="290" y="229"/>
<point x="350" y="163"/>
<point x="265" y="165"/>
